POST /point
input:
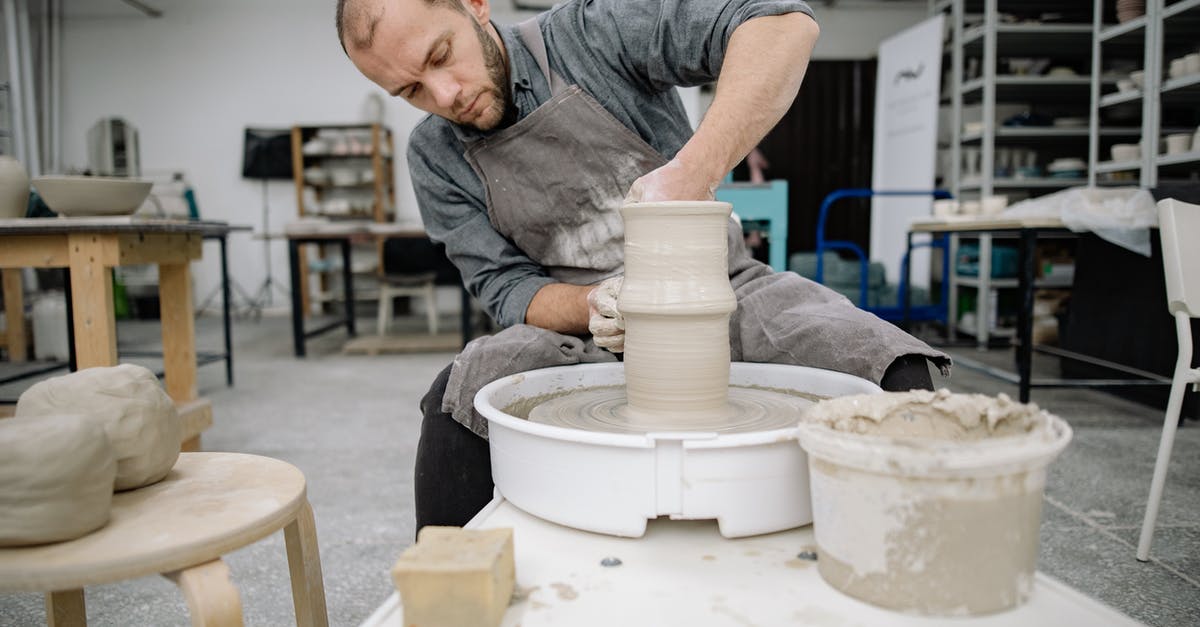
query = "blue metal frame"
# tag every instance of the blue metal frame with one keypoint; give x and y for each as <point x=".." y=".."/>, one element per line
<point x="904" y="311"/>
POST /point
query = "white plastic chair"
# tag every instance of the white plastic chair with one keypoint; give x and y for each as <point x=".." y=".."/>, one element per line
<point x="1179" y="224"/>
<point x="393" y="285"/>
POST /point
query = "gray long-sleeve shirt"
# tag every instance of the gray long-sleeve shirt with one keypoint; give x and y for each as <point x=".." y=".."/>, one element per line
<point x="628" y="55"/>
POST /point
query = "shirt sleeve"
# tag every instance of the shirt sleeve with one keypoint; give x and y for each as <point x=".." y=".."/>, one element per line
<point x="494" y="271"/>
<point x="668" y="43"/>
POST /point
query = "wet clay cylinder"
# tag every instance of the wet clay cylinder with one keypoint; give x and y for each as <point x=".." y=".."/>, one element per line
<point x="676" y="300"/>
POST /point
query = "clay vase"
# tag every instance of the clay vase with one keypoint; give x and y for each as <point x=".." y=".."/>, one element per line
<point x="14" y="188"/>
<point x="676" y="300"/>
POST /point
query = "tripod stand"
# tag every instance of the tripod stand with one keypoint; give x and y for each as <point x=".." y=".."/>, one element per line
<point x="264" y="295"/>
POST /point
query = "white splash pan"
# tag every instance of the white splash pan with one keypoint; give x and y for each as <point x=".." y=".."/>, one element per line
<point x="612" y="483"/>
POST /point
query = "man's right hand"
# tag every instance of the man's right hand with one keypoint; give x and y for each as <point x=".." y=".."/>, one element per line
<point x="604" y="321"/>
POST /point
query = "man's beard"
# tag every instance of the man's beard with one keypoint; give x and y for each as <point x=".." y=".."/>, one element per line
<point x="497" y="69"/>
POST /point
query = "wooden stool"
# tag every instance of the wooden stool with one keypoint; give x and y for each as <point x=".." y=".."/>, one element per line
<point x="209" y="504"/>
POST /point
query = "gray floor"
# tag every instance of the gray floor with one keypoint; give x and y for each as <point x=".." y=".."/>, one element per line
<point x="350" y="423"/>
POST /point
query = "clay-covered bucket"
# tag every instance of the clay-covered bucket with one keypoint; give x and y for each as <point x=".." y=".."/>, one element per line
<point x="929" y="523"/>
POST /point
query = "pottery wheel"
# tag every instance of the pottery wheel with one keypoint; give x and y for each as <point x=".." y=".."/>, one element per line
<point x="605" y="409"/>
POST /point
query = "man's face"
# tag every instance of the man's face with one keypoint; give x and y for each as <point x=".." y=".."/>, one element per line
<point x="440" y="60"/>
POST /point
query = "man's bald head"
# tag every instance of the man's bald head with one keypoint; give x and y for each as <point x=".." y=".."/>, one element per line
<point x="358" y="19"/>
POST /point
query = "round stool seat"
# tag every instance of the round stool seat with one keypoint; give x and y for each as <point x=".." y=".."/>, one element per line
<point x="208" y="505"/>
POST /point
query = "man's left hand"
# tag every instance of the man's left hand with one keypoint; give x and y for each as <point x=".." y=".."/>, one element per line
<point x="677" y="180"/>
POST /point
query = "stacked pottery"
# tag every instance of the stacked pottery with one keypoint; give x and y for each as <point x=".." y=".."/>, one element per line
<point x="1130" y="9"/>
<point x="14" y="188"/>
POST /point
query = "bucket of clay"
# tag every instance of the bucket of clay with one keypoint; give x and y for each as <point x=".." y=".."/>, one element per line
<point x="930" y="502"/>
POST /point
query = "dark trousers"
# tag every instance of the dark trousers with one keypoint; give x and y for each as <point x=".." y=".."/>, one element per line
<point x="454" y="466"/>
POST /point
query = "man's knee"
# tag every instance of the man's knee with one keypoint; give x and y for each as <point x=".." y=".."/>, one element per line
<point x="907" y="372"/>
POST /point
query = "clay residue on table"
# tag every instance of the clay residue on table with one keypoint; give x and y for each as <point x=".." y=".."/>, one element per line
<point x="923" y="414"/>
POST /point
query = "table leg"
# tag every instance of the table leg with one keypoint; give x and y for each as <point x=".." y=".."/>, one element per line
<point x="465" y="318"/>
<point x="297" y="297"/>
<point x="225" y="307"/>
<point x="212" y="599"/>
<point x="92" y="301"/>
<point x="348" y="287"/>
<point x="14" y="311"/>
<point x="906" y="284"/>
<point x="65" y="608"/>
<point x="304" y="562"/>
<point x="1025" y="274"/>
<point x="178" y="330"/>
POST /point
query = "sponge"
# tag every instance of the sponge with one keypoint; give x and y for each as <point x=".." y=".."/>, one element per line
<point x="454" y="577"/>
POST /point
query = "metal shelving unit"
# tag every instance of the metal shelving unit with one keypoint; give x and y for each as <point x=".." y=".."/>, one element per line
<point x="1167" y="30"/>
<point x="1067" y="43"/>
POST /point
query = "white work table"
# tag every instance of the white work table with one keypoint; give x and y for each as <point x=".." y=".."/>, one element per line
<point x="685" y="573"/>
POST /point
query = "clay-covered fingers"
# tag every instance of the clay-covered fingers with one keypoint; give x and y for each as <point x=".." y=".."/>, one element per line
<point x="604" y="320"/>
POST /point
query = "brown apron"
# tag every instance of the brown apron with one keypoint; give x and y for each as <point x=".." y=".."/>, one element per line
<point x="555" y="181"/>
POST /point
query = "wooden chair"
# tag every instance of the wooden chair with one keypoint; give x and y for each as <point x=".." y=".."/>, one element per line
<point x="1179" y="225"/>
<point x="209" y="504"/>
<point x="393" y="285"/>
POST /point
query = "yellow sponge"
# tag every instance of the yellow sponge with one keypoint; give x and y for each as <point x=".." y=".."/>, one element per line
<point x="454" y="577"/>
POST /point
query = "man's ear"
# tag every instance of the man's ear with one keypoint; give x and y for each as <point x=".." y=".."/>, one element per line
<point x="481" y="10"/>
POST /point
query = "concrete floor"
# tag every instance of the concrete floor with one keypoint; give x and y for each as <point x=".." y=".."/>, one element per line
<point x="350" y="423"/>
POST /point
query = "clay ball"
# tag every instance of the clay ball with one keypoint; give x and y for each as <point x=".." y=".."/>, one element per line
<point x="56" y="479"/>
<point x="126" y="400"/>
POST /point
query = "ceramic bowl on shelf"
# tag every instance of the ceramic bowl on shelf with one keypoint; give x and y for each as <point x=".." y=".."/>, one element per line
<point x="1126" y="85"/>
<point x="1191" y="63"/>
<point x="1139" y="78"/>
<point x="1178" y="143"/>
<point x="1126" y="152"/>
<point x="1067" y="168"/>
<point x="78" y="196"/>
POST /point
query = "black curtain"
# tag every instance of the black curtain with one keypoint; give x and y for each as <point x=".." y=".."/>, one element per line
<point x="823" y="143"/>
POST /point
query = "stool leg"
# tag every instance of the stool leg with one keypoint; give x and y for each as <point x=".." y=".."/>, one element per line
<point x="212" y="599"/>
<point x="385" y="311"/>
<point x="65" y="609"/>
<point x="431" y="308"/>
<point x="304" y="562"/>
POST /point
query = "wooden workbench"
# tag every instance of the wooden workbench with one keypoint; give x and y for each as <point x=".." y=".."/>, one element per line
<point x="90" y="248"/>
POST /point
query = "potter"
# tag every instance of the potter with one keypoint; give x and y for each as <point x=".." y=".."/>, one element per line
<point x="538" y="132"/>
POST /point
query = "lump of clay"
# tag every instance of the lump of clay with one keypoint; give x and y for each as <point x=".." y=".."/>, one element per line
<point x="925" y="414"/>
<point x="127" y="401"/>
<point x="56" y="479"/>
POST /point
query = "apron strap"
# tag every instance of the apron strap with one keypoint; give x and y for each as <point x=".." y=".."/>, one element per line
<point x="531" y="35"/>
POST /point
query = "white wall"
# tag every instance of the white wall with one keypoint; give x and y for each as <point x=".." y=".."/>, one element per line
<point x="853" y="29"/>
<point x="192" y="80"/>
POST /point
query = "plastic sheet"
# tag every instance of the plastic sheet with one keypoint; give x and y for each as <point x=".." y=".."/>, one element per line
<point x="1121" y="215"/>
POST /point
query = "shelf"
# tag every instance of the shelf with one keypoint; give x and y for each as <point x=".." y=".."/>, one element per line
<point x="1182" y="87"/>
<point x="1177" y="8"/>
<point x="1030" y="40"/>
<point x="1023" y="183"/>
<point x="1032" y="88"/>
<point x="330" y="155"/>
<point x="1045" y="284"/>
<point x="1051" y="133"/>
<point x="1131" y="27"/>
<point x="363" y="185"/>
<point x="1118" y="166"/>
<point x="1120" y="97"/>
<point x="1187" y="157"/>
<point x="997" y="332"/>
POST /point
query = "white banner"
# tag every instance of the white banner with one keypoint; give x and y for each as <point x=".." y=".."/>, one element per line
<point x="906" y="116"/>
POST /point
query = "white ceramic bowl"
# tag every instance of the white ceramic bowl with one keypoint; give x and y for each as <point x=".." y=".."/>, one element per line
<point x="1126" y="85"/>
<point x="1138" y="78"/>
<point x="1126" y="152"/>
<point x="76" y="196"/>
<point x="1179" y="143"/>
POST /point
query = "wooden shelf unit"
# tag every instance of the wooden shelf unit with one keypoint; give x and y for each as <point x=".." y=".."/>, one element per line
<point x="346" y="147"/>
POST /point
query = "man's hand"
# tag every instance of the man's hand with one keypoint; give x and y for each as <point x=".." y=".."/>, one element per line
<point x="677" y="180"/>
<point x="604" y="321"/>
